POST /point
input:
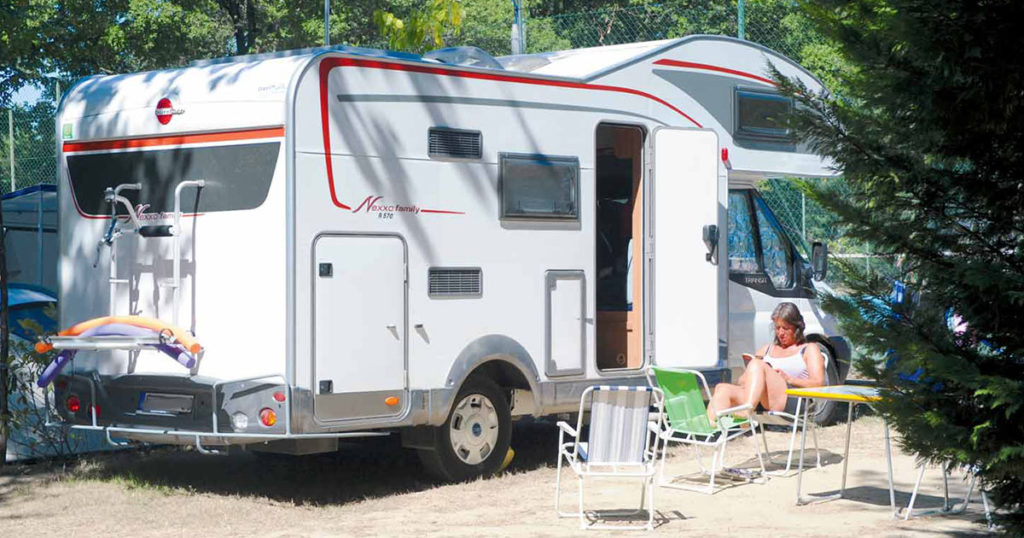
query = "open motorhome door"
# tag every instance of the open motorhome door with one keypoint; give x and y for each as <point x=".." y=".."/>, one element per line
<point x="682" y="248"/>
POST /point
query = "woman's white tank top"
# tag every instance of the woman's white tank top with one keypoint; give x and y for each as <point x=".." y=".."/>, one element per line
<point x="794" y="365"/>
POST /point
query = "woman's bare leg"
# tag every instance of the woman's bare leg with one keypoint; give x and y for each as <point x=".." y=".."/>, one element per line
<point x="751" y="389"/>
<point x="774" y="397"/>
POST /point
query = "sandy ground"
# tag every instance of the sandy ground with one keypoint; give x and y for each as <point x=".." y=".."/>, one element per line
<point x="376" y="489"/>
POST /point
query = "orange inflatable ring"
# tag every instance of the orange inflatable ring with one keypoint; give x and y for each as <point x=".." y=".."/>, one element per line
<point x="180" y="336"/>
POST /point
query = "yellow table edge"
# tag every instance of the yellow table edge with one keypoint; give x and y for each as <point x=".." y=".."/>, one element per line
<point x="814" y="392"/>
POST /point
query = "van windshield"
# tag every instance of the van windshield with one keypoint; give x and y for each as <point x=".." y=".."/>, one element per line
<point x="237" y="177"/>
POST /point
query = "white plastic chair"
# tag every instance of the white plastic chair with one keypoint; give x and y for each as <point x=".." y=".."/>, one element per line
<point x="793" y="421"/>
<point x="618" y="445"/>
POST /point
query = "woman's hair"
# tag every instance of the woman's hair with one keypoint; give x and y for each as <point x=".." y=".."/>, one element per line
<point x="789" y="313"/>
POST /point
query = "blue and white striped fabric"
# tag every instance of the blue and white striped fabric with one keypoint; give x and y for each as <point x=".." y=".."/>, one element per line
<point x="618" y="425"/>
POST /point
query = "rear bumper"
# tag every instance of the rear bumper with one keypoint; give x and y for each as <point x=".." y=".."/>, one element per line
<point x="195" y="411"/>
<point x="173" y="405"/>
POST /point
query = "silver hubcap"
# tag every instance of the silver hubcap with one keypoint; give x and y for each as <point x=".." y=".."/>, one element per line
<point x="474" y="429"/>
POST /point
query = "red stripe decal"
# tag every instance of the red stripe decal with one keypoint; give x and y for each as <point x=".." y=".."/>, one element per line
<point x="330" y="63"/>
<point x="175" y="140"/>
<point x="692" y="65"/>
<point x="441" y="211"/>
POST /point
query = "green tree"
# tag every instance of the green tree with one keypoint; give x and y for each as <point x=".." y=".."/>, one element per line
<point x="421" y="29"/>
<point x="929" y="132"/>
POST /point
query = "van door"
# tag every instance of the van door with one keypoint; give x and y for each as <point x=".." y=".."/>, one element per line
<point x="684" y="288"/>
<point x="359" y="327"/>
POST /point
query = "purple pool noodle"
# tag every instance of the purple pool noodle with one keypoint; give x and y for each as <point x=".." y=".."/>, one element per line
<point x="179" y="354"/>
<point x="173" y="351"/>
<point x="55" y="367"/>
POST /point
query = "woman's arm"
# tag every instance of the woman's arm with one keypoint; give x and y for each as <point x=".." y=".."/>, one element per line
<point x="815" y="369"/>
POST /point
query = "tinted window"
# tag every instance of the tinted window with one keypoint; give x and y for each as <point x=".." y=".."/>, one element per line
<point x="774" y="248"/>
<point x="539" y="186"/>
<point x="762" y="115"/>
<point x="742" y="248"/>
<point x="237" y="177"/>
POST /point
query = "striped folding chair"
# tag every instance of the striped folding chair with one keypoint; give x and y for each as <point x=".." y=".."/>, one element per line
<point x="621" y="442"/>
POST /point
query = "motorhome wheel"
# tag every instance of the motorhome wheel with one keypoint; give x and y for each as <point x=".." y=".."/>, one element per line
<point x="474" y="439"/>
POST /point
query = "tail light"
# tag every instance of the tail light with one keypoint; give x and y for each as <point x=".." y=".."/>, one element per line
<point x="268" y="417"/>
<point x="279" y="396"/>
<point x="73" y="404"/>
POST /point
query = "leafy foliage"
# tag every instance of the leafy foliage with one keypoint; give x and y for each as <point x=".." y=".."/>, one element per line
<point x="422" y="29"/>
<point x="928" y="131"/>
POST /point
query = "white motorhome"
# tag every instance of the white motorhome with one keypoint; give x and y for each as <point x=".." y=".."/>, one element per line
<point x="368" y="242"/>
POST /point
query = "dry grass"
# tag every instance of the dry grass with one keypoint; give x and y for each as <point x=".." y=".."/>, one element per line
<point x="375" y="488"/>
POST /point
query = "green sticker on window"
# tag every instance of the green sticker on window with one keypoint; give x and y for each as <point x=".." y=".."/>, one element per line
<point x="66" y="131"/>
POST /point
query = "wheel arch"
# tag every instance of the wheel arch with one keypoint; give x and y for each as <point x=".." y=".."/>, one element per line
<point x="501" y="359"/>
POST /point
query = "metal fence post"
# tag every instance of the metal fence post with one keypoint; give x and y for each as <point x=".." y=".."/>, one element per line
<point x="803" y="215"/>
<point x="740" y="19"/>
<point x="10" y="142"/>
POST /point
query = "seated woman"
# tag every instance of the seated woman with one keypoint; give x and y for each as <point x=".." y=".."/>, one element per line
<point x="788" y="360"/>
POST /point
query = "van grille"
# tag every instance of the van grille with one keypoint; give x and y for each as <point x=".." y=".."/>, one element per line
<point x="455" y="282"/>
<point x="458" y="143"/>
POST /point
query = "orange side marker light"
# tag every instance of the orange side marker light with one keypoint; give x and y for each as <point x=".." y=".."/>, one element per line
<point x="391" y="400"/>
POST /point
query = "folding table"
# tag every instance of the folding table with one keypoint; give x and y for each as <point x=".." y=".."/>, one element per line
<point x="853" y="395"/>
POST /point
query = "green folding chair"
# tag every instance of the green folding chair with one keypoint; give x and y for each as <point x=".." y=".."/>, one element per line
<point x="687" y="422"/>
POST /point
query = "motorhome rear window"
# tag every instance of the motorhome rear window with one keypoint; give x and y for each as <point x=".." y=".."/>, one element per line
<point x="762" y="114"/>
<point x="539" y="186"/>
<point x="237" y="177"/>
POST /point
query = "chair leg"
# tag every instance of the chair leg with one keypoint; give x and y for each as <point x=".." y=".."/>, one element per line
<point x="792" y="435"/>
<point x="583" y="524"/>
<point x="945" y="486"/>
<point x="714" y="461"/>
<point x="814" y="438"/>
<point x="661" y="471"/>
<point x="760" y="459"/>
<point x="700" y="461"/>
<point x="913" y="495"/>
<point x="988" y="512"/>
<point x="764" y="441"/>
<point x="650" y="508"/>
<point x="558" y="482"/>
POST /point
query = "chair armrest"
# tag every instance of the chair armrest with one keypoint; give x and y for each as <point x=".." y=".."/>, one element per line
<point x="565" y="427"/>
<point x="733" y="410"/>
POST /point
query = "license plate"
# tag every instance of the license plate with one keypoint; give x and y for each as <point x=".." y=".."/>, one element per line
<point x="165" y="404"/>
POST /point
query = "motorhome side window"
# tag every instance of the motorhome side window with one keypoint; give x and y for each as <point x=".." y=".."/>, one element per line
<point x="761" y="115"/>
<point x="539" y="186"/>
<point x="742" y="247"/>
<point x="774" y="250"/>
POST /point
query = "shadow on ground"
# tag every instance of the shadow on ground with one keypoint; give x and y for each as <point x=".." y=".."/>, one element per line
<point x="359" y="470"/>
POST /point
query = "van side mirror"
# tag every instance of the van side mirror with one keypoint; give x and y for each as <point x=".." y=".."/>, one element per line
<point x="819" y="260"/>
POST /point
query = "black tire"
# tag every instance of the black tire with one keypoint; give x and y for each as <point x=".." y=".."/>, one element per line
<point x="828" y="412"/>
<point x="456" y="451"/>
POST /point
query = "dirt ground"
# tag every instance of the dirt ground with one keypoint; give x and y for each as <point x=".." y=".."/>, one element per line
<point x="377" y="489"/>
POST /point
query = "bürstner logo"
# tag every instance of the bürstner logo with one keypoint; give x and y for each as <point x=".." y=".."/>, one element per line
<point x="165" y="109"/>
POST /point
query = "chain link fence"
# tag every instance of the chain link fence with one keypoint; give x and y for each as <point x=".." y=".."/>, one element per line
<point x="27" y="147"/>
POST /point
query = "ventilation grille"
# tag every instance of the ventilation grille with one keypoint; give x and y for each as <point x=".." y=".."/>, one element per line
<point x="461" y="282"/>
<point x="455" y="143"/>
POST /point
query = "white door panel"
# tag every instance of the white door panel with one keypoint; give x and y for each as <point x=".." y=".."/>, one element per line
<point x="684" y="286"/>
<point x="359" y="295"/>
<point x="566" y="308"/>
